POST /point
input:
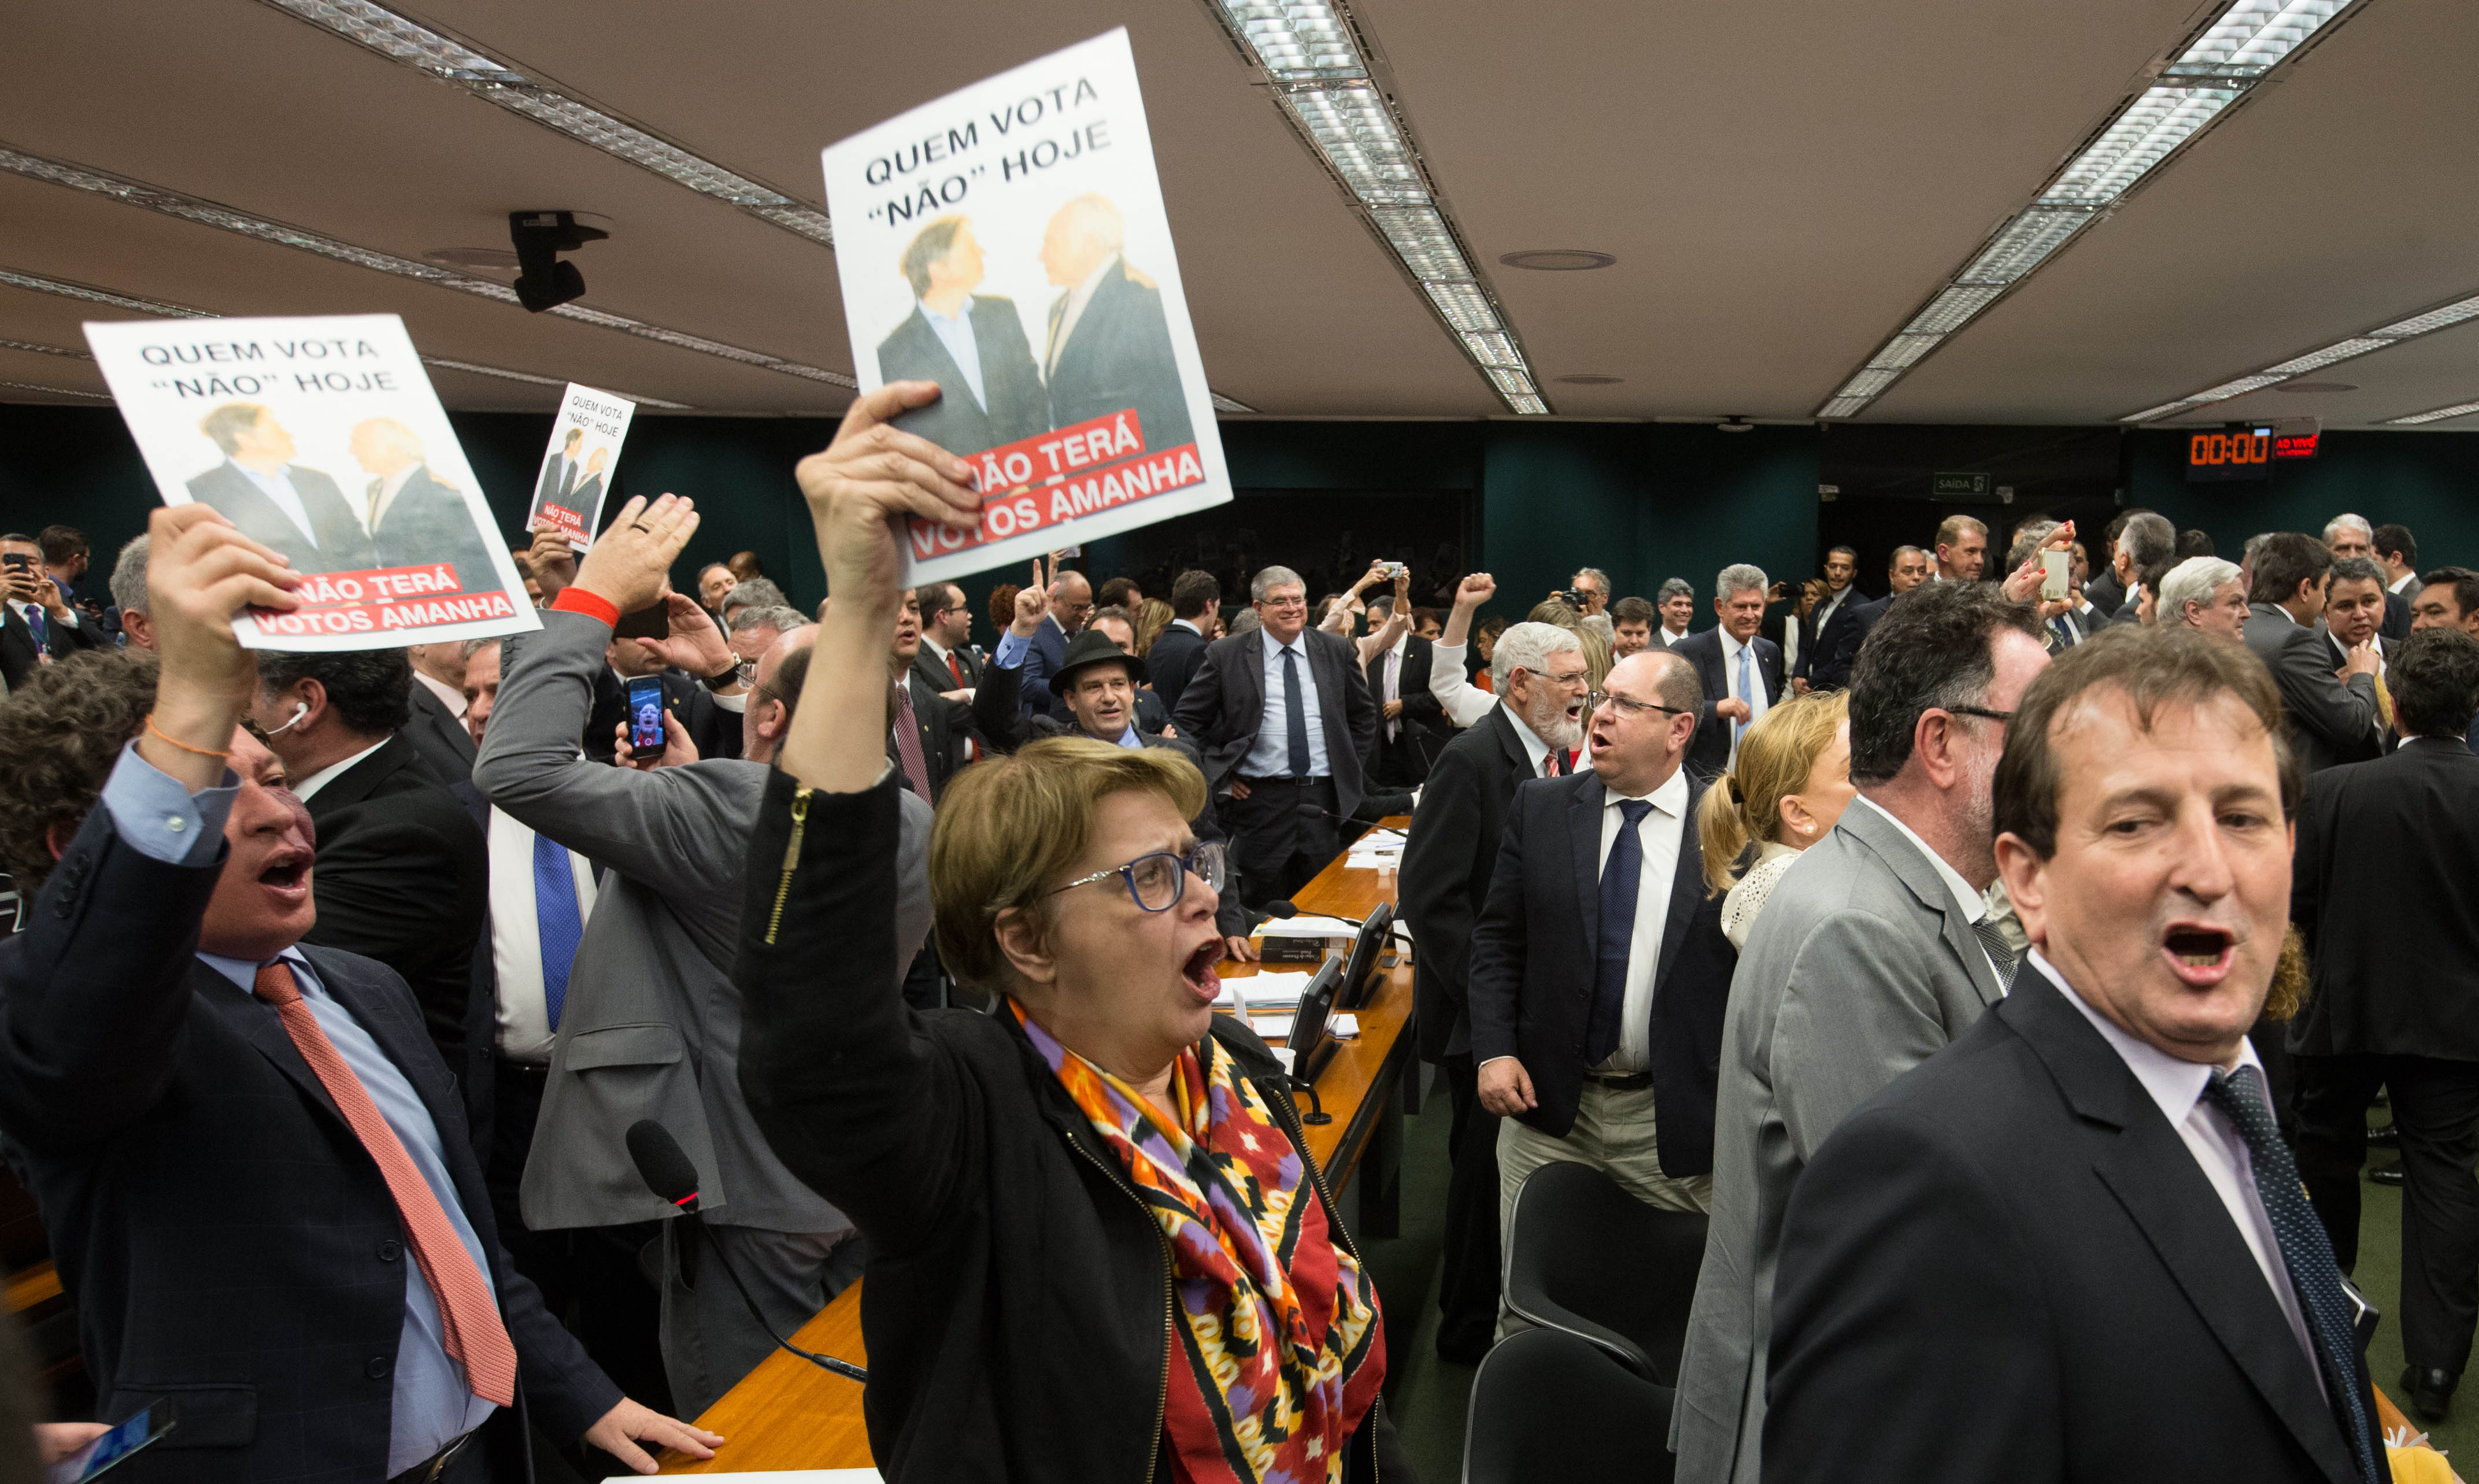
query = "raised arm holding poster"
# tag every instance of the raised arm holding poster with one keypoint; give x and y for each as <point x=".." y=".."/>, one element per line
<point x="320" y="437"/>
<point x="1008" y="241"/>
<point x="576" y="467"/>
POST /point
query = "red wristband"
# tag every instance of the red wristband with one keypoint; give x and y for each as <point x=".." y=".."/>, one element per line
<point x="576" y="600"/>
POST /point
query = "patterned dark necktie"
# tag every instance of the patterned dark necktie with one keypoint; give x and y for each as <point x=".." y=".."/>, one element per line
<point x="2000" y="953"/>
<point x="1295" y="715"/>
<point x="2306" y="1251"/>
<point x="1620" y="875"/>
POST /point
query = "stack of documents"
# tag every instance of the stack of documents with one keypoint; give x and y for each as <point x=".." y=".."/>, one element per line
<point x="1377" y="850"/>
<point x="1263" y="993"/>
<point x="1342" y="1026"/>
<point x="1308" y="926"/>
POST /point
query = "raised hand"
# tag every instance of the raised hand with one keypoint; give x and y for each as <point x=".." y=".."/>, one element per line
<point x="631" y="563"/>
<point x="200" y="573"/>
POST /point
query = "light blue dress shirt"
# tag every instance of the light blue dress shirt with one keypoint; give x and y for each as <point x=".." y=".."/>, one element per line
<point x="1271" y="755"/>
<point x="1012" y="651"/>
<point x="432" y="1405"/>
<point x="278" y="487"/>
<point x="956" y="335"/>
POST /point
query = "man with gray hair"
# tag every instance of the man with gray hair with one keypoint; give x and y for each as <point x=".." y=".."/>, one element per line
<point x="129" y="594"/>
<point x="2206" y="593"/>
<point x="2147" y="548"/>
<point x="1676" y="602"/>
<point x="2349" y="535"/>
<point x="1877" y="950"/>
<point x="1286" y="726"/>
<point x="1539" y="674"/>
<point x="1740" y="672"/>
<point x="1591" y="585"/>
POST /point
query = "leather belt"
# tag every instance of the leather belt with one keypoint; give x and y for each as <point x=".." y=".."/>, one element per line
<point x="436" y="1463"/>
<point x="1631" y="1082"/>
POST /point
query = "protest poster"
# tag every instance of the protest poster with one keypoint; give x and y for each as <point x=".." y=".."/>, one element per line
<point x="320" y="437"/>
<point x="576" y="467"/>
<point x="1008" y="242"/>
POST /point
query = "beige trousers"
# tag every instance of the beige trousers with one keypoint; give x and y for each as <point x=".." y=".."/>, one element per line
<point x="1614" y="1133"/>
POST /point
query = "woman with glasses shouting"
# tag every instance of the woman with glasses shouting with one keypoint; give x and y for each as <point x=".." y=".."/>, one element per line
<point x="1099" y="1247"/>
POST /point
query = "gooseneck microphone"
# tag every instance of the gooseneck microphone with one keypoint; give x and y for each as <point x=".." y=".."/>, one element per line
<point x="667" y="1170"/>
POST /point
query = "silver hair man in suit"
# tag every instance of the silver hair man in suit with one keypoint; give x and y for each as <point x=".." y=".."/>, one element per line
<point x="2079" y="1226"/>
<point x="650" y="1025"/>
<point x="1874" y="952"/>
<point x="1283" y="718"/>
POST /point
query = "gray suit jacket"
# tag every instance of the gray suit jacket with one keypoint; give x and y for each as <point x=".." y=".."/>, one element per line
<point x="652" y="1025"/>
<point x="1860" y="967"/>
<point x="2330" y="722"/>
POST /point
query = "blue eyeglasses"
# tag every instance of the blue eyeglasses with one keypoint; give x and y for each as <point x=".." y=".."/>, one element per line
<point x="1157" y="880"/>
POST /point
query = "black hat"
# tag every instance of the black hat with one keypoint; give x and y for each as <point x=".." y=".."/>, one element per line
<point x="1091" y="648"/>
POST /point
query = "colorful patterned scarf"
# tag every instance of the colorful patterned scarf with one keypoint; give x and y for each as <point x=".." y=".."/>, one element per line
<point x="1285" y="1344"/>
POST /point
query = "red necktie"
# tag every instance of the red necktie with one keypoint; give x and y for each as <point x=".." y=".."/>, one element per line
<point x="957" y="671"/>
<point x="470" y="1323"/>
<point x="907" y="742"/>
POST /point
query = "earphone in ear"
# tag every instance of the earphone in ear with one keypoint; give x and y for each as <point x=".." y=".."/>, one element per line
<point x="301" y="709"/>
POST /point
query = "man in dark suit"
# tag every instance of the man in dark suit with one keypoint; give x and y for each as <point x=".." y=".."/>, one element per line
<point x="1449" y="861"/>
<point x="1740" y="672"/>
<point x="1194" y="598"/>
<point x="561" y="470"/>
<point x="948" y="663"/>
<point x="1831" y="668"/>
<point x="972" y="344"/>
<point x="1599" y="967"/>
<point x="2078" y="1225"/>
<point x="699" y="672"/>
<point x="1836" y="610"/>
<point x="437" y="727"/>
<point x="296" y="511"/>
<point x="2331" y="720"/>
<point x="402" y="872"/>
<point x="37" y="624"/>
<point x="415" y="517"/>
<point x="1409" y="717"/>
<point x="2382" y="888"/>
<point x="1109" y="347"/>
<point x="1283" y="718"/>
<point x="1118" y="627"/>
<point x="250" y="1161"/>
<point x="939" y="726"/>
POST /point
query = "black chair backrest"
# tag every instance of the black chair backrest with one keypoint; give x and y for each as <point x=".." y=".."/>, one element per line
<point x="1583" y="1255"/>
<point x="1548" y="1405"/>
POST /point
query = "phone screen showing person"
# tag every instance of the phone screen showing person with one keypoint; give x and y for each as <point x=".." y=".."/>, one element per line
<point x="111" y="1448"/>
<point x="646" y="714"/>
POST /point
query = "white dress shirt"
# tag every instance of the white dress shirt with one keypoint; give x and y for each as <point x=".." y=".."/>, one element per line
<point x="2220" y="1152"/>
<point x="278" y="487"/>
<point x="1669" y="640"/>
<point x="1660" y="831"/>
<point x="524" y="1032"/>
<point x="1272" y="755"/>
<point x="1967" y="900"/>
<point x="1758" y="703"/>
<point x="956" y="333"/>
<point x="1534" y="748"/>
<point x="303" y="788"/>
<point x="2402" y="581"/>
<point x="1392" y="688"/>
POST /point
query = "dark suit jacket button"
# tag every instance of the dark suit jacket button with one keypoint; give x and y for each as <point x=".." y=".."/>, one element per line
<point x="388" y="1250"/>
<point x="378" y="1368"/>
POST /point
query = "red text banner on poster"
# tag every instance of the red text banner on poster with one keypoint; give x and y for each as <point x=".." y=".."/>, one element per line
<point x="382" y="598"/>
<point x="567" y="523"/>
<point x="1054" y="477"/>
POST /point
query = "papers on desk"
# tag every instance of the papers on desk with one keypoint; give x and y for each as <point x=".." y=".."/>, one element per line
<point x="1377" y="850"/>
<point x="1307" y="925"/>
<point x="1263" y="993"/>
<point x="1342" y="1026"/>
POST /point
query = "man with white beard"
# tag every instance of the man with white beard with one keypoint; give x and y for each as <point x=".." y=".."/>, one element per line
<point x="1538" y="670"/>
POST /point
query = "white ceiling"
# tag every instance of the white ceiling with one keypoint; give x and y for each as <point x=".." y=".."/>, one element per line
<point x="1781" y="182"/>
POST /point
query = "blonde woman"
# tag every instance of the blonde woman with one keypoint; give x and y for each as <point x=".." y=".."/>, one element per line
<point x="1792" y="783"/>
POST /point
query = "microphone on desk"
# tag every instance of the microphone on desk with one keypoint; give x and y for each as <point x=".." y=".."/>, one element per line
<point x="1289" y="908"/>
<point x="668" y="1171"/>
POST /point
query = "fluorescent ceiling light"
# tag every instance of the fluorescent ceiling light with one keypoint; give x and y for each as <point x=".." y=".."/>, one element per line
<point x="1312" y="53"/>
<point x="1904" y="350"/>
<point x="2457" y="410"/>
<point x="172" y="203"/>
<point x="90" y="294"/>
<point x="2244" y="40"/>
<point x="32" y="386"/>
<point x="2425" y="323"/>
<point x="411" y="45"/>
<point x="28" y="344"/>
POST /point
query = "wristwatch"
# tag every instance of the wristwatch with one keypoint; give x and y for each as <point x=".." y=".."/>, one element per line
<point x="729" y="675"/>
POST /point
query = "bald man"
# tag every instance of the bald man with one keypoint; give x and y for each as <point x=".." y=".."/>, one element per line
<point x="1109" y="346"/>
<point x="413" y="516"/>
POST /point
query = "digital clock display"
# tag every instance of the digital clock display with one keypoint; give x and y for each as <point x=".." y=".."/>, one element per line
<point x="2231" y="454"/>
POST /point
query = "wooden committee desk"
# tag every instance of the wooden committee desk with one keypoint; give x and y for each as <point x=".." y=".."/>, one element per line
<point x="788" y="1414"/>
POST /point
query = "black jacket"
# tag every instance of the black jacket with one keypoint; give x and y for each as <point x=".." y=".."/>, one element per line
<point x="440" y="736"/>
<point x="1447" y="862"/>
<point x="1016" y="1305"/>
<point x="1825" y="653"/>
<point x="1418" y="739"/>
<point x="428" y="520"/>
<point x="1017" y="407"/>
<point x="2013" y="1234"/>
<point x="1710" y="753"/>
<point x="992" y="715"/>
<point x="342" y="543"/>
<point x="1172" y="659"/>
<point x="2385" y="884"/>
<point x="403" y="876"/>
<point x="1533" y="963"/>
<point x="20" y="654"/>
<point x="1118" y="357"/>
<point x="1224" y="704"/>
<point x="227" y="1241"/>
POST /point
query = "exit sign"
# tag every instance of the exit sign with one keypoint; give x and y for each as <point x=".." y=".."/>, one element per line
<point x="1956" y="486"/>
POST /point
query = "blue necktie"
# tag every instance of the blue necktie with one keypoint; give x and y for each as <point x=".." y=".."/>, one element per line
<point x="2065" y="631"/>
<point x="556" y="917"/>
<point x="1747" y="653"/>
<point x="2305" y="1251"/>
<point x="38" y="623"/>
<point x="1620" y="875"/>
<point x="1296" y="713"/>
